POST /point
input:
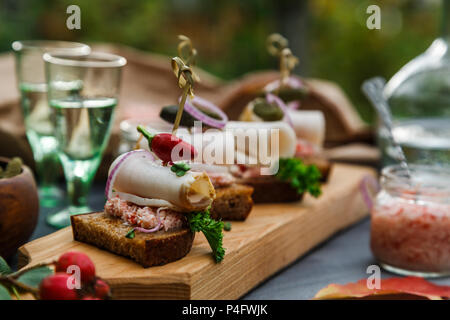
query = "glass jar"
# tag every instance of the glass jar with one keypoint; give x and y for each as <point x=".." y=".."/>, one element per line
<point x="410" y="227"/>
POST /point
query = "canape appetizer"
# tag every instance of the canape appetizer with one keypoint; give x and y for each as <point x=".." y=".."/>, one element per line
<point x="291" y="179"/>
<point x="233" y="201"/>
<point x="152" y="211"/>
<point x="280" y="100"/>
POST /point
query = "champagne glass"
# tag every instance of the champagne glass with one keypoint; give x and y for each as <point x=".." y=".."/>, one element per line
<point x="83" y="93"/>
<point x="37" y="113"/>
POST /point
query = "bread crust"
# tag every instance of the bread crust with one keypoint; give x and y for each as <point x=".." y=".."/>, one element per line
<point x="268" y="189"/>
<point x="147" y="249"/>
<point x="232" y="203"/>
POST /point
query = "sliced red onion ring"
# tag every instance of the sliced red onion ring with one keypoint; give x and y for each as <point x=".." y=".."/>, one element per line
<point x="295" y="83"/>
<point x="271" y="98"/>
<point x="158" y="226"/>
<point x="208" y="105"/>
<point x="364" y="189"/>
<point x="115" y="168"/>
<point x="294" y="105"/>
<point x="292" y="82"/>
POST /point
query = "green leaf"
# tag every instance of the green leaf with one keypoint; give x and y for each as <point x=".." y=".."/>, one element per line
<point x="212" y="229"/>
<point x="130" y="234"/>
<point x="302" y="177"/>
<point x="227" y="226"/>
<point x="180" y="168"/>
<point x="4" y="267"/>
<point x="180" y="173"/>
<point x="183" y="166"/>
<point x="34" y="277"/>
<point x="4" y="293"/>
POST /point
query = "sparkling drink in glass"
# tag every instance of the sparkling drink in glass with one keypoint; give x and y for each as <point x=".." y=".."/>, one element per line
<point x="83" y="93"/>
<point x="38" y="116"/>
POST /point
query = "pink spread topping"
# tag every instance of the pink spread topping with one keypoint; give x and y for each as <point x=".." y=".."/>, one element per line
<point x="413" y="236"/>
<point x="144" y="217"/>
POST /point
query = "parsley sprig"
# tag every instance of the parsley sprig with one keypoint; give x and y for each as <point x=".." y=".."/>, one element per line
<point x="212" y="229"/>
<point x="180" y="168"/>
<point x="302" y="177"/>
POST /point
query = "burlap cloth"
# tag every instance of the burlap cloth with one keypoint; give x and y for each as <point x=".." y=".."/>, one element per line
<point x="148" y="83"/>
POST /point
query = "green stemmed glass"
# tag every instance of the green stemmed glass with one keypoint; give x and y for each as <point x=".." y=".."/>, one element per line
<point x="38" y="116"/>
<point x="83" y="93"/>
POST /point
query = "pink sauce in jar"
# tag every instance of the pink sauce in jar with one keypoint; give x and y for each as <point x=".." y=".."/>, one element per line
<point x="410" y="221"/>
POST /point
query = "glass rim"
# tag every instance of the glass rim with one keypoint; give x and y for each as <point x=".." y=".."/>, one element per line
<point x="395" y="179"/>
<point x="92" y="60"/>
<point x="50" y="45"/>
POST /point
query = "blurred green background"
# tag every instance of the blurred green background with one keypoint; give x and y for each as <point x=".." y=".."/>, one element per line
<point x="329" y="36"/>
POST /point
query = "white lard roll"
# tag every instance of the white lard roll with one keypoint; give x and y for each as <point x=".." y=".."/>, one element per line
<point x="144" y="178"/>
<point x="286" y="142"/>
<point x="309" y="125"/>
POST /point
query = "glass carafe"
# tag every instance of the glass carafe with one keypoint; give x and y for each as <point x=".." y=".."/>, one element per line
<point x="419" y="97"/>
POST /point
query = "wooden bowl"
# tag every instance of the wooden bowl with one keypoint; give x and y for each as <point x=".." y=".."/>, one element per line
<point x="19" y="210"/>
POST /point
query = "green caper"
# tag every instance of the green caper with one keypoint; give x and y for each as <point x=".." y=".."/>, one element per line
<point x="13" y="168"/>
<point x="291" y="94"/>
<point x="267" y="111"/>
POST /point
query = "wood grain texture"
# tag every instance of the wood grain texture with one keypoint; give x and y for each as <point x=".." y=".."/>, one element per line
<point x="272" y="237"/>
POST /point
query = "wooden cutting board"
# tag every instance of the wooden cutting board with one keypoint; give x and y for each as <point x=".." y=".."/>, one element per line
<point x="273" y="236"/>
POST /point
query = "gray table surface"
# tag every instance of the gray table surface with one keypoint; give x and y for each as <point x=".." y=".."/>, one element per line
<point x="341" y="259"/>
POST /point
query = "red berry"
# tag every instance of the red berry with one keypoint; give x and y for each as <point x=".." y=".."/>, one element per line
<point x="87" y="268"/>
<point x="90" y="298"/>
<point x="102" y="290"/>
<point x="55" y="287"/>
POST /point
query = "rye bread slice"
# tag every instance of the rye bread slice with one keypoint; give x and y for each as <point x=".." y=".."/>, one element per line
<point x="232" y="203"/>
<point x="148" y="249"/>
<point x="268" y="189"/>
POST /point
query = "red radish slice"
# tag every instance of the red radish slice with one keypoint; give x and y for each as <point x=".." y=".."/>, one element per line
<point x="208" y="105"/>
<point x="271" y="98"/>
<point x="118" y="163"/>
